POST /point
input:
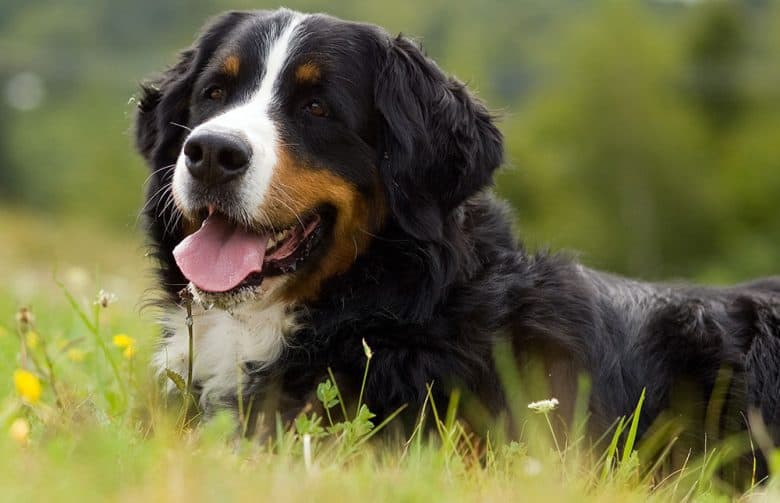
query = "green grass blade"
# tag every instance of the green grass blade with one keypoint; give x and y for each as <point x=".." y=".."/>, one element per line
<point x="628" y="447"/>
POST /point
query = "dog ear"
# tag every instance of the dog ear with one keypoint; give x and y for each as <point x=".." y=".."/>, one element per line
<point x="163" y="112"/>
<point x="437" y="143"/>
<point x="163" y="105"/>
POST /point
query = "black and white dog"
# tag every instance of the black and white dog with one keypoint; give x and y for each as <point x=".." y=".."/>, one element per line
<point x="317" y="182"/>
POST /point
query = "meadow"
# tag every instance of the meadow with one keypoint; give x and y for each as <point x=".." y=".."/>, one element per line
<point x="83" y="417"/>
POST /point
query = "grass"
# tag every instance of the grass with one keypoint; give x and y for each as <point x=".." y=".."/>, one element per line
<point x="100" y="430"/>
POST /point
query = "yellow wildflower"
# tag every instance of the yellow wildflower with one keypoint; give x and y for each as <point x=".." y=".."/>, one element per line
<point x="32" y="339"/>
<point x="126" y="343"/>
<point x="123" y="340"/>
<point x="129" y="352"/>
<point x="76" y="355"/>
<point x="27" y="385"/>
<point x="3" y="331"/>
<point x="20" y="431"/>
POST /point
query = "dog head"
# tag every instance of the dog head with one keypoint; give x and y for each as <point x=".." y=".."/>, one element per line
<point x="282" y="143"/>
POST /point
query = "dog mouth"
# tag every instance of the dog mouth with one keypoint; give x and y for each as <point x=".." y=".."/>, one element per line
<point x="224" y="257"/>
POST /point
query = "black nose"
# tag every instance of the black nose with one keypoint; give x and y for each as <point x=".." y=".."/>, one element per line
<point x="215" y="158"/>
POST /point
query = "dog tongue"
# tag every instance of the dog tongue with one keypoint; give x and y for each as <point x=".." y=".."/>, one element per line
<point x="220" y="255"/>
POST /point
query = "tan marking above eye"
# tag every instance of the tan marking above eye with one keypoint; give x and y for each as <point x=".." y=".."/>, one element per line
<point x="308" y="72"/>
<point x="231" y="65"/>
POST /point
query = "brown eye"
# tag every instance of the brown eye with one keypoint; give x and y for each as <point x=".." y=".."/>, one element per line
<point x="214" y="93"/>
<point x="316" y="108"/>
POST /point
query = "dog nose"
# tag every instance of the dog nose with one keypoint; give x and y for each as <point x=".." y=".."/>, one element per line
<point x="215" y="158"/>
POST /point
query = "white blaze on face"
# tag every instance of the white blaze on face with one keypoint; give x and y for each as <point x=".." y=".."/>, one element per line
<point x="251" y="120"/>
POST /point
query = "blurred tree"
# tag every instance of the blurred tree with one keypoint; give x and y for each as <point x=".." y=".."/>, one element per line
<point x="607" y="152"/>
<point x="621" y="145"/>
<point x="8" y="183"/>
<point x="717" y="48"/>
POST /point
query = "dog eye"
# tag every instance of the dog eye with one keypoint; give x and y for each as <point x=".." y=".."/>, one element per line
<point x="316" y="108"/>
<point x="214" y="93"/>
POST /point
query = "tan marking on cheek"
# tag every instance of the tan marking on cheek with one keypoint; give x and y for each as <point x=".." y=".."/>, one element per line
<point x="308" y="72"/>
<point x="231" y="65"/>
<point x="299" y="189"/>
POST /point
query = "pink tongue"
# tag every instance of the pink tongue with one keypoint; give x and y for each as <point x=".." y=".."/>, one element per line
<point x="220" y="255"/>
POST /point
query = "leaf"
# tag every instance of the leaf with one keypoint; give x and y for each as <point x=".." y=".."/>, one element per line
<point x="362" y="424"/>
<point x="327" y="394"/>
<point x="628" y="447"/>
<point x="177" y="380"/>
<point x="306" y="425"/>
<point x="612" y="449"/>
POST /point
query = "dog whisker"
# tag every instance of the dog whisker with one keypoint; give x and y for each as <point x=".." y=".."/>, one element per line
<point x="180" y="125"/>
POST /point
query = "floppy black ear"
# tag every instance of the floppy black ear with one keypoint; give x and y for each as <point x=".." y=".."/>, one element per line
<point x="438" y="144"/>
<point x="163" y="105"/>
<point x="162" y="112"/>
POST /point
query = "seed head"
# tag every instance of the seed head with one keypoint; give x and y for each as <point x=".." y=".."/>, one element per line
<point x="367" y="350"/>
<point x="25" y="317"/>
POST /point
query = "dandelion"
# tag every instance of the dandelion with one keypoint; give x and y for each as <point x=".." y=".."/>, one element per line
<point x="27" y="385"/>
<point x="20" y="431"/>
<point x="76" y="355"/>
<point x="367" y="350"/>
<point x="104" y="298"/>
<point x="33" y="339"/>
<point x="544" y="406"/>
<point x="126" y="343"/>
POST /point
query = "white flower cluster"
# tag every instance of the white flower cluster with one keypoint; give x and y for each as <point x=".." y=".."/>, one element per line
<point x="544" y="406"/>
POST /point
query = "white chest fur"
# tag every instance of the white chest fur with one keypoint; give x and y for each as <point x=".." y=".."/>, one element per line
<point x="222" y="342"/>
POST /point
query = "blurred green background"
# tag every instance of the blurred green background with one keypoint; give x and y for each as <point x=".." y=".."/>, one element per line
<point x="643" y="135"/>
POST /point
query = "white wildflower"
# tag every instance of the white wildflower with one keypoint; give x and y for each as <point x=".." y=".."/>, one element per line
<point x="105" y="298"/>
<point x="532" y="467"/>
<point x="544" y="406"/>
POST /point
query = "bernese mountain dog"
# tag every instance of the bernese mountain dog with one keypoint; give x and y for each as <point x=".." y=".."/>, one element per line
<point x="317" y="182"/>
